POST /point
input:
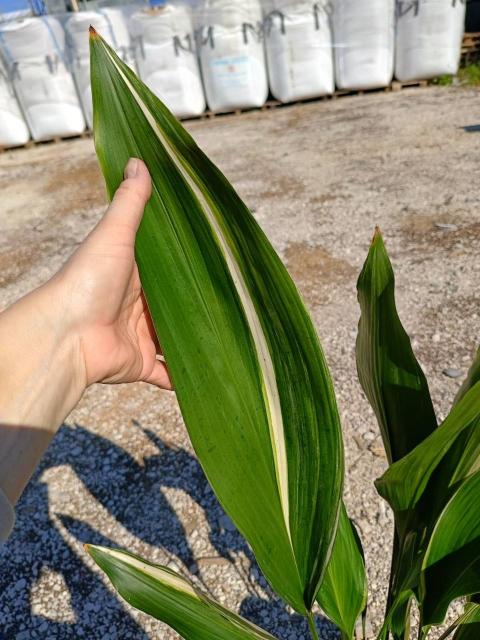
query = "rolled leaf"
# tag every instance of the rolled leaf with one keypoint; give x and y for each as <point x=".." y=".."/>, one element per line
<point x="343" y="594"/>
<point x="165" y="595"/>
<point x="249" y="373"/>
<point x="451" y="567"/>
<point x="388" y="371"/>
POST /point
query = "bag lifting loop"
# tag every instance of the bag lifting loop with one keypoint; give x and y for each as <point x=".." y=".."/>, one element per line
<point x="269" y="21"/>
<point x="404" y="7"/>
<point x="319" y="8"/>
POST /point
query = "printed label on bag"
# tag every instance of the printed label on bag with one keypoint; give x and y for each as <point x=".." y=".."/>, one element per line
<point x="231" y="72"/>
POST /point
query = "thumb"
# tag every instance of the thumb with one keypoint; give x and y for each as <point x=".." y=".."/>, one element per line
<point x="131" y="197"/>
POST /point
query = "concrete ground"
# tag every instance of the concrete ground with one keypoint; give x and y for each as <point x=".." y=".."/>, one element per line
<point x="121" y="471"/>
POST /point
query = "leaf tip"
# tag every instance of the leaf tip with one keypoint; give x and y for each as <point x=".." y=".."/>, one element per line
<point x="377" y="235"/>
<point x="93" y="33"/>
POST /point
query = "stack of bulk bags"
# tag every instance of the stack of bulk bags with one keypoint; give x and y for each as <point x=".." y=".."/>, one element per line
<point x="34" y="49"/>
<point x="298" y="43"/>
<point x="364" y="41"/>
<point x="429" y="38"/>
<point x="111" y="23"/>
<point x="232" y="55"/>
<point x="13" y="129"/>
<point x="166" y="57"/>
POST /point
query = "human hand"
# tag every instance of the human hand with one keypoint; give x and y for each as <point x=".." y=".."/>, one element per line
<point x="103" y="300"/>
<point x="88" y="324"/>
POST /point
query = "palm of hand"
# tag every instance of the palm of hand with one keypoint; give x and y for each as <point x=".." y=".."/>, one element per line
<point x="117" y="339"/>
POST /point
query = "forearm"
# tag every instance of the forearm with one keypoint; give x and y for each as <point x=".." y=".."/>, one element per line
<point x="40" y="382"/>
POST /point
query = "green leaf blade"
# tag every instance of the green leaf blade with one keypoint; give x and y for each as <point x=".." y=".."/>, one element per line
<point x="389" y="373"/>
<point x="248" y="369"/>
<point x="344" y="591"/>
<point x="420" y="465"/>
<point x="170" y="598"/>
<point x="451" y="568"/>
<point x="468" y="625"/>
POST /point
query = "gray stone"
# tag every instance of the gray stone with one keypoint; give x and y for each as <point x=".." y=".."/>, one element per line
<point x="452" y="373"/>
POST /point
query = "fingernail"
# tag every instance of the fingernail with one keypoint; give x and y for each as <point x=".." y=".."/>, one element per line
<point x="131" y="170"/>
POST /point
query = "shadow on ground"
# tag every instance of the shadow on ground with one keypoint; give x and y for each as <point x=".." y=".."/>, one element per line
<point x="133" y="495"/>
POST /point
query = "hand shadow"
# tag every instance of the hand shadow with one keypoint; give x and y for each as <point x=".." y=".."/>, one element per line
<point x="37" y="546"/>
<point x="133" y="494"/>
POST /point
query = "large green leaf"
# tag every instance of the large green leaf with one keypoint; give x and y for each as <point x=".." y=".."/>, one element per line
<point x="397" y="389"/>
<point x="343" y="594"/>
<point x="451" y="567"/>
<point x="170" y="598"/>
<point x="389" y="373"/>
<point x="248" y="369"/>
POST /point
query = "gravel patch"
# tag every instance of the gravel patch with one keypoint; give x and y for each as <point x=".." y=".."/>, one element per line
<point x="121" y="471"/>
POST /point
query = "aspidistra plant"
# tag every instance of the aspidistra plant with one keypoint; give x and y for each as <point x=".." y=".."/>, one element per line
<point x="433" y="484"/>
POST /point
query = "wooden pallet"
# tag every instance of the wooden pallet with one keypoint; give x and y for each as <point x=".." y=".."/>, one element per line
<point x="471" y="48"/>
<point x="56" y="140"/>
<point x="339" y="93"/>
<point x="268" y="106"/>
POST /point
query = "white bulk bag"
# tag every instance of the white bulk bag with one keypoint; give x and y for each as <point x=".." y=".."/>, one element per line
<point x="232" y="55"/>
<point x="35" y="52"/>
<point x="298" y="44"/>
<point x="429" y="38"/>
<point x="13" y="128"/>
<point x="166" y="57"/>
<point x="111" y="24"/>
<point x="364" y="41"/>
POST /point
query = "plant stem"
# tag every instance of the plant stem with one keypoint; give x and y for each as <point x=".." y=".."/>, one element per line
<point x="449" y="631"/>
<point x="423" y="632"/>
<point x="311" y="624"/>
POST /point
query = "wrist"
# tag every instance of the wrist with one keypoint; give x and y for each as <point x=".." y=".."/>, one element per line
<point x="42" y="374"/>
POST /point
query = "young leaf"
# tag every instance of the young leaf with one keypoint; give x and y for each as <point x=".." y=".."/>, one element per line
<point x="248" y="369"/>
<point x="451" y="567"/>
<point x="170" y="598"/>
<point x="389" y="373"/>
<point x="343" y="594"/>
<point x="397" y="389"/>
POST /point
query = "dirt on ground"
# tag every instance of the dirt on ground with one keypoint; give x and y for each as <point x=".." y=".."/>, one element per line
<point x="319" y="177"/>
